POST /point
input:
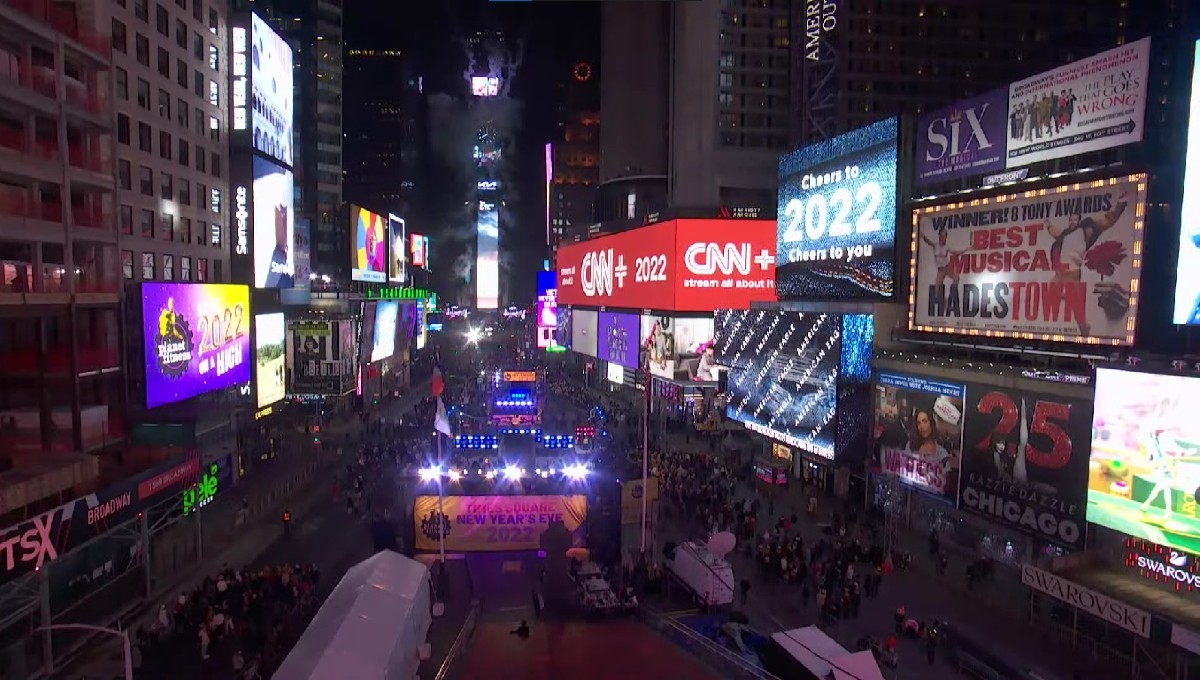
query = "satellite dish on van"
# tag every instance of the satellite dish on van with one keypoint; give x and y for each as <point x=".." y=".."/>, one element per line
<point x="721" y="544"/>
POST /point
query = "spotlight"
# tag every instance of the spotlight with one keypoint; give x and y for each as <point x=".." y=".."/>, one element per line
<point x="490" y="474"/>
<point x="512" y="473"/>
<point x="429" y="474"/>
<point x="576" y="472"/>
<point x="454" y="475"/>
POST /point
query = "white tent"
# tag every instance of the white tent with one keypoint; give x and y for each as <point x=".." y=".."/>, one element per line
<point x="822" y="656"/>
<point x="371" y="627"/>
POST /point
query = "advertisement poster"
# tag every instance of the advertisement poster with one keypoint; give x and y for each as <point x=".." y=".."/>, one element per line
<point x="383" y="338"/>
<point x="398" y="250"/>
<point x="322" y="359"/>
<point x="1025" y="461"/>
<point x="836" y="231"/>
<point x="562" y="335"/>
<point x="658" y="345"/>
<point x="370" y="246"/>
<point x="1144" y="477"/>
<point x="722" y="264"/>
<point x="617" y="339"/>
<point x="783" y="375"/>
<point x="964" y="139"/>
<point x="270" y="360"/>
<point x="1187" y="269"/>
<point x="583" y="332"/>
<point x="918" y="432"/>
<point x="422" y="324"/>
<point x="274" y="226"/>
<point x="1060" y="264"/>
<point x="487" y="256"/>
<point x="675" y="346"/>
<point x="547" y="308"/>
<point x="302" y="251"/>
<point x="196" y="338"/>
<point x="1088" y="105"/>
<point x="495" y="523"/>
<point x="633" y="269"/>
<point x="273" y="92"/>
<point x="416" y="250"/>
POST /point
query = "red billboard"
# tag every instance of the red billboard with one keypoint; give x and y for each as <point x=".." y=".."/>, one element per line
<point x="678" y="265"/>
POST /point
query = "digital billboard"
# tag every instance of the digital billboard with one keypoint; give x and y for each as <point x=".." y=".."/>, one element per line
<point x="1088" y="105"/>
<point x="617" y="338"/>
<point x="274" y="225"/>
<point x="675" y="347"/>
<point x="1187" y="270"/>
<point x="964" y="139"/>
<point x="562" y="335"/>
<point x="918" y="432"/>
<point x="369" y="249"/>
<point x="270" y="360"/>
<point x="1060" y="264"/>
<point x="681" y="265"/>
<point x="487" y="256"/>
<point x="416" y="250"/>
<point x="196" y="339"/>
<point x="397" y="250"/>
<point x="322" y="356"/>
<point x="836" y="225"/>
<point x="481" y="523"/>
<point x="273" y="93"/>
<point x="302" y="251"/>
<point x="383" y="335"/>
<point x="484" y="86"/>
<point x="547" y="308"/>
<point x="422" y="324"/>
<point x="583" y="332"/>
<point x="1144" y="473"/>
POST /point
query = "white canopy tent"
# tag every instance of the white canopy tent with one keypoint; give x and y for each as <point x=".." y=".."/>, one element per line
<point x="824" y="657"/>
<point x="371" y="628"/>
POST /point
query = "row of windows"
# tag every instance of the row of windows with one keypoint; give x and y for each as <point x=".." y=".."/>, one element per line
<point x="205" y="196"/>
<point x="151" y="270"/>
<point x="753" y="80"/>
<point x="774" y="60"/>
<point x="180" y="149"/>
<point x="141" y="46"/>
<point x="754" y="141"/>
<point x="169" y="227"/>
<point x="162" y="18"/>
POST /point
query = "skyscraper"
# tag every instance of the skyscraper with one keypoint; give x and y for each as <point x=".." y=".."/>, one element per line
<point x="575" y="153"/>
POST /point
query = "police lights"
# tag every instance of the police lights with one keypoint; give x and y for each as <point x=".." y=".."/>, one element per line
<point x="476" y="441"/>
<point x="521" y="430"/>
<point x="557" y="441"/>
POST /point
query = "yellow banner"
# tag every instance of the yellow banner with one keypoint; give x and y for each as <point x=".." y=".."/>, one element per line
<point x="519" y="376"/>
<point x="493" y="523"/>
<point x="631" y="499"/>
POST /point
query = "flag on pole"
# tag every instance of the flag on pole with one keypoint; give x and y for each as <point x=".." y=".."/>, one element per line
<point x="441" y="423"/>
<point x="437" y="383"/>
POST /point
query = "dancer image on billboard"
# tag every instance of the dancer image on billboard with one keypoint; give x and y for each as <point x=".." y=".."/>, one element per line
<point x="942" y="252"/>
<point x="1068" y="254"/>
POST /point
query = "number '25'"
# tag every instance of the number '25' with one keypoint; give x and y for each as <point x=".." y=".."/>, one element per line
<point x="1049" y="420"/>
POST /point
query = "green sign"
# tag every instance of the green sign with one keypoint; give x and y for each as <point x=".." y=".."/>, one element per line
<point x="555" y="349"/>
<point x="399" y="294"/>
<point x="202" y="494"/>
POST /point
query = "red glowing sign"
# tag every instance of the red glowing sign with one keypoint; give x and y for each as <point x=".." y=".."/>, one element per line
<point x="1156" y="563"/>
<point x="678" y="265"/>
<point x="416" y="247"/>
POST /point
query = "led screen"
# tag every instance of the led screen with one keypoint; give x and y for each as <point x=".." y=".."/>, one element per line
<point x="416" y="250"/>
<point x="484" y="86"/>
<point x="273" y="93"/>
<point x="397" y="250"/>
<point x="196" y="339"/>
<point x="270" y="360"/>
<point x="487" y="256"/>
<point x="783" y="375"/>
<point x="836" y="230"/>
<point x="422" y="329"/>
<point x="302" y="251"/>
<point x="562" y="335"/>
<point x="583" y="332"/>
<point x="547" y="308"/>
<point x="370" y="246"/>
<point x="1187" y="277"/>
<point x="274" y="226"/>
<point x="1144" y="472"/>
<point x="383" y="338"/>
<point x="675" y="347"/>
<point x="617" y="338"/>
<point x="918" y="432"/>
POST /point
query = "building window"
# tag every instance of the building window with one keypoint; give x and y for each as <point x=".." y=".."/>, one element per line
<point x="726" y="79"/>
<point x="141" y="10"/>
<point x="120" y="37"/>
<point x="141" y="48"/>
<point x="164" y="144"/>
<point x="181" y="73"/>
<point x="146" y="180"/>
<point x="185" y="156"/>
<point x="162" y="20"/>
<point x="198" y="120"/>
<point x="214" y="21"/>
<point x="127" y="222"/>
<point x="127" y="264"/>
<point x="630" y="206"/>
<point x="145" y="138"/>
<point x="168" y="227"/>
<point x="164" y="62"/>
<point x="164" y="104"/>
<point x="125" y="175"/>
<point x="181" y="33"/>
<point x="197" y="46"/>
<point x="201" y="230"/>
<point x="143" y="94"/>
<point x="214" y="235"/>
<point x="197" y="10"/>
<point x="122" y="84"/>
<point x="214" y="57"/>
<point x="214" y="128"/>
<point x="216" y="164"/>
<point x="202" y="269"/>
<point x="198" y="83"/>
<point x="726" y="60"/>
<point x="147" y="224"/>
<point x="185" y="268"/>
<point x="185" y="230"/>
<point x="214" y="93"/>
<point x="201" y="159"/>
<point x="215" y="201"/>
<point x="147" y="266"/>
<point x="168" y="267"/>
<point x="123" y="129"/>
<point x="167" y="186"/>
<point x="181" y="113"/>
<point x="185" y="192"/>
<point x="201" y="193"/>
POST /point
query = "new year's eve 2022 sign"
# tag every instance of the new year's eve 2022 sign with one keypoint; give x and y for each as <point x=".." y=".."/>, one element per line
<point x="1056" y="264"/>
<point x="493" y="523"/>
<point x="836" y="230"/>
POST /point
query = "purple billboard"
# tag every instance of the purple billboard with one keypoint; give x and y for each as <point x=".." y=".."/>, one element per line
<point x="617" y="338"/>
<point x="966" y="138"/>
<point x="196" y="339"/>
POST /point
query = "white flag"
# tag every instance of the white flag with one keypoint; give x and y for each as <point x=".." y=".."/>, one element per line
<point x="440" y="422"/>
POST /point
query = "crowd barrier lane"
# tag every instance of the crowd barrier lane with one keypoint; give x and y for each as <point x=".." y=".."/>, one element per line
<point x="714" y="657"/>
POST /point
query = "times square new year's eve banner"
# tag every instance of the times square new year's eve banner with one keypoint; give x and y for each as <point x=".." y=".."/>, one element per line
<point x="494" y="523"/>
<point x="1017" y="457"/>
<point x="1059" y="264"/>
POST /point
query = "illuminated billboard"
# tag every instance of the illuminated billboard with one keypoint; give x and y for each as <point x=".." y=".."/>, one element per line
<point x="398" y="251"/>
<point x="270" y="361"/>
<point x="274" y="217"/>
<point x="549" y="182"/>
<point x="484" y="86"/>
<point x="487" y="256"/>
<point x="1187" y="269"/>
<point x="369" y="252"/>
<point x="416" y="250"/>
<point x="272" y="92"/>
<point x="547" y="308"/>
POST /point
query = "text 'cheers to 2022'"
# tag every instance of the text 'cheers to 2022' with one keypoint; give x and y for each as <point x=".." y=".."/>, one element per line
<point x="836" y="212"/>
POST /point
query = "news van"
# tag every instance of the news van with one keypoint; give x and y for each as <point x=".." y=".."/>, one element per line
<point x="706" y="574"/>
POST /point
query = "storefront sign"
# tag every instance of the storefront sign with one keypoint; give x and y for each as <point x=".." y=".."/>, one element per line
<point x="1102" y="606"/>
<point x="1159" y="564"/>
<point x="399" y="294"/>
<point x="519" y="376"/>
<point x="780" y="451"/>
<point x="495" y="523"/>
<point x="263" y="412"/>
<point x="241" y="220"/>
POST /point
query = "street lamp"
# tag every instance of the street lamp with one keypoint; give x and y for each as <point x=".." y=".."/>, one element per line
<point x="126" y="648"/>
